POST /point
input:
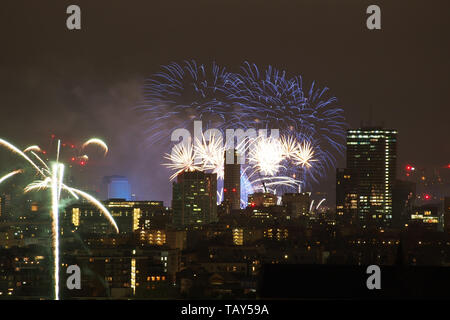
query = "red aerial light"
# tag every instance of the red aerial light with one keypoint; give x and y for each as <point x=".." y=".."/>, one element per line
<point x="82" y="163"/>
<point x="252" y="204"/>
<point x="44" y="152"/>
<point x="448" y="166"/>
<point x="72" y="146"/>
<point x="408" y="168"/>
<point x="73" y="158"/>
<point x="234" y="189"/>
<point x="427" y="197"/>
<point x="225" y="190"/>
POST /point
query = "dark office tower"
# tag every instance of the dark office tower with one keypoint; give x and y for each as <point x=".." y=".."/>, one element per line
<point x="232" y="184"/>
<point x="347" y="197"/>
<point x="297" y="204"/>
<point x="403" y="196"/>
<point x="372" y="155"/>
<point x="194" y="199"/>
<point x="447" y="215"/>
<point x="5" y="206"/>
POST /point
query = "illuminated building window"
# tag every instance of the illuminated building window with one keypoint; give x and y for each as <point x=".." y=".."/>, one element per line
<point x="76" y="216"/>
<point x="136" y="216"/>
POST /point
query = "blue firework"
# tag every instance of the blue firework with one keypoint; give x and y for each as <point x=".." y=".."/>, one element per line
<point x="274" y="101"/>
<point x="182" y="93"/>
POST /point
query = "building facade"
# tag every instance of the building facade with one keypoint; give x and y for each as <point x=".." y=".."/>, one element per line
<point x="447" y="215"/>
<point x="232" y="184"/>
<point x="297" y="204"/>
<point x="130" y="216"/>
<point x="371" y="166"/>
<point x="347" y="196"/>
<point x="194" y="198"/>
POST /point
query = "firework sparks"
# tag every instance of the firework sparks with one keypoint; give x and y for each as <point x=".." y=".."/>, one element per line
<point x="266" y="155"/>
<point x="23" y="155"/>
<point x="182" y="159"/>
<point x="289" y="146"/>
<point x="97" y="142"/>
<point x="165" y="94"/>
<point x="53" y="180"/>
<point x="47" y="169"/>
<point x="32" y="148"/>
<point x="9" y="175"/>
<point x="211" y="154"/>
<point x="311" y="206"/>
<point x="38" y="185"/>
<point x="258" y="184"/>
<point x="304" y="155"/>
<point x="320" y="202"/>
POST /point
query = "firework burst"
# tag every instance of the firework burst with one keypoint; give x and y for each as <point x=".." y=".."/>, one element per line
<point x="271" y="99"/>
<point x="182" y="159"/>
<point x="210" y="152"/>
<point x="53" y="179"/>
<point x="268" y="99"/>
<point x="304" y="154"/>
<point x="97" y="142"/>
<point x="266" y="155"/>
<point x="182" y="93"/>
<point x="260" y="172"/>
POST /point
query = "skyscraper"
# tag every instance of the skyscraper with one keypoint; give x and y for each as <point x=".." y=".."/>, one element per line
<point x="372" y="157"/>
<point x="347" y="196"/>
<point x="403" y="198"/>
<point x="232" y="184"/>
<point x="194" y="198"/>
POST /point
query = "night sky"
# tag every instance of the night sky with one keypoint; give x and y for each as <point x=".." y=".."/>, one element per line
<point x="78" y="84"/>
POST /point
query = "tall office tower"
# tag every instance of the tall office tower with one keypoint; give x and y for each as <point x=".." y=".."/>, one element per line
<point x="372" y="155"/>
<point x="232" y="183"/>
<point x="347" y="196"/>
<point x="194" y="199"/>
<point x="118" y="187"/>
<point x="403" y="198"/>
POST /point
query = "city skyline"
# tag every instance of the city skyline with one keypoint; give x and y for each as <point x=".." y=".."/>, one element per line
<point x="407" y="171"/>
<point x="105" y="81"/>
